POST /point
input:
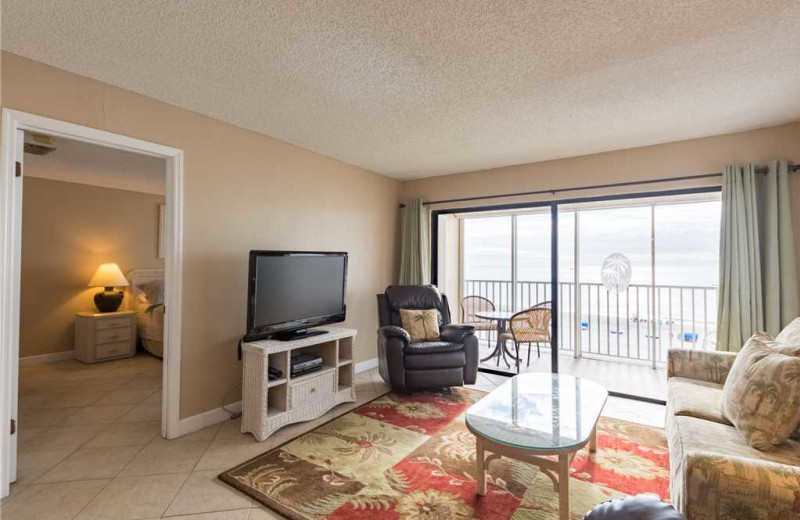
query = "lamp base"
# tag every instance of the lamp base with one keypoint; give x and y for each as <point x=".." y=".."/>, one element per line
<point x="108" y="301"/>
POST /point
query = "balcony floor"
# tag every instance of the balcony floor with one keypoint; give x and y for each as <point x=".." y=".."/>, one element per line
<point x="616" y="375"/>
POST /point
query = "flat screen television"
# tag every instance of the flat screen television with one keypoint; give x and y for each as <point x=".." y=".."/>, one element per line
<point x="288" y="292"/>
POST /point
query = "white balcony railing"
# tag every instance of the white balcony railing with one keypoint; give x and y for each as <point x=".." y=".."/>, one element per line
<point x="615" y="325"/>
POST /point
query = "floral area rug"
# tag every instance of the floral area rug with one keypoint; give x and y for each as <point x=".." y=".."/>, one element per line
<point x="412" y="457"/>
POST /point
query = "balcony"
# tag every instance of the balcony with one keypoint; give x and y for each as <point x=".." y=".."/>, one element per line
<point x="635" y="329"/>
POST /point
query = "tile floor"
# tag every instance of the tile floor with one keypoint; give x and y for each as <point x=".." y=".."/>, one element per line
<point x="90" y="447"/>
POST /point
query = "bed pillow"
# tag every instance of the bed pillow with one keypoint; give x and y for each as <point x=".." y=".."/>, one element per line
<point x="153" y="291"/>
<point x="761" y="396"/>
<point x="790" y="333"/>
<point x="422" y="325"/>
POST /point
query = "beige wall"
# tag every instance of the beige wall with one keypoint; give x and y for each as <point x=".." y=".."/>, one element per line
<point x="67" y="231"/>
<point x="693" y="157"/>
<point x="242" y="191"/>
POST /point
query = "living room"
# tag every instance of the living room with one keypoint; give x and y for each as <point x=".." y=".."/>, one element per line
<point x="305" y="128"/>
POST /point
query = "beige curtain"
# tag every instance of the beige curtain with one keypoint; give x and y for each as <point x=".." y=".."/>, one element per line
<point x="414" y="259"/>
<point x="758" y="273"/>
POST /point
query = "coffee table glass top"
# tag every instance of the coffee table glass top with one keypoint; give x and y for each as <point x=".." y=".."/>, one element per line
<point x="539" y="411"/>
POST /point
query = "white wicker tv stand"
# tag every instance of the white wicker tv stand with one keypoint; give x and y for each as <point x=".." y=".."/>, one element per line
<point x="269" y="405"/>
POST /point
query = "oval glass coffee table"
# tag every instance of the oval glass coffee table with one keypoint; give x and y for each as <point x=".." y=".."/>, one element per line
<point x="533" y="418"/>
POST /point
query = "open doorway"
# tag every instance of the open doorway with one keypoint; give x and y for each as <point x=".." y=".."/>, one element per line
<point x="93" y="220"/>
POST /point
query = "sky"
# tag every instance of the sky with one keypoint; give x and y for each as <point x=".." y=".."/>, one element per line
<point x="686" y="244"/>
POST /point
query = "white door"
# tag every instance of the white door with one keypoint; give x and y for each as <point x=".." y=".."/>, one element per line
<point x="9" y="465"/>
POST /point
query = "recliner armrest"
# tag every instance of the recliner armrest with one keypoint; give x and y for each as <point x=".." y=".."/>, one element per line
<point x="455" y="333"/>
<point x="391" y="331"/>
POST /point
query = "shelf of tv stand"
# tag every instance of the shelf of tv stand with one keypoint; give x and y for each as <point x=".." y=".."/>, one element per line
<point x="310" y="375"/>
<point x="276" y="382"/>
<point x="270" y="405"/>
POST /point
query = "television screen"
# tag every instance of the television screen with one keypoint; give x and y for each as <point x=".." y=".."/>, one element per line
<point x="295" y="290"/>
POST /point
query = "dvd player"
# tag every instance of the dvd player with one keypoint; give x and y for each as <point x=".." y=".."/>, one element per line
<point x="305" y="363"/>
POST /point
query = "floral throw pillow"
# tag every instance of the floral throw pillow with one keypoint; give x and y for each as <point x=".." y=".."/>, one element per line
<point x="761" y="396"/>
<point x="422" y="325"/>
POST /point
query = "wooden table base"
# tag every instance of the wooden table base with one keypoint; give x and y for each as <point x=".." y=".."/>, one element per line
<point x="556" y="470"/>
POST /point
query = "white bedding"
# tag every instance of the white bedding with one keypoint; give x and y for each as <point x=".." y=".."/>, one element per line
<point x="150" y="325"/>
<point x="149" y="316"/>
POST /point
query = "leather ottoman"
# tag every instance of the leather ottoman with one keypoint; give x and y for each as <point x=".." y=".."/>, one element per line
<point x="639" y="507"/>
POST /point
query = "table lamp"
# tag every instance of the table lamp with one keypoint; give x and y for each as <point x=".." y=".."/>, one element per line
<point x="108" y="276"/>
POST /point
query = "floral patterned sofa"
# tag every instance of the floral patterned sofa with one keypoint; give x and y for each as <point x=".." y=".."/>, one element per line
<point x="715" y="474"/>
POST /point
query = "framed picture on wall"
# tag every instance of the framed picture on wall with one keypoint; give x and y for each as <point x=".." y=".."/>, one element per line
<point x="162" y="252"/>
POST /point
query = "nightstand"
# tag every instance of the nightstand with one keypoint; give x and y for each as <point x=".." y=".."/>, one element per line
<point x="101" y="336"/>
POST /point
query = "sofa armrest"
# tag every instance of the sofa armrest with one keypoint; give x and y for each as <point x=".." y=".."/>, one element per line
<point x="456" y="333"/>
<point x="391" y="331"/>
<point x="710" y="484"/>
<point x="701" y="365"/>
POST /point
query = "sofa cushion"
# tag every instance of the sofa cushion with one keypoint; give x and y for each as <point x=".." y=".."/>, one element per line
<point x="692" y="398"/>
<point x="432" y="347"/>
<point x="436" y="360"/>
<point x="761" y="396"/>
<point x="790" y="334"/>
<point x="421" y="325"/>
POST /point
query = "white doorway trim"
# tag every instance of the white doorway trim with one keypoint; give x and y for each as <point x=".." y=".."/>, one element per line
<point x="13" y="124"/>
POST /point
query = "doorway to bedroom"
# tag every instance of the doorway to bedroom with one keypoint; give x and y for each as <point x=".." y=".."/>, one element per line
<point x="92" y="373"/>
<point x="91" y="308"/>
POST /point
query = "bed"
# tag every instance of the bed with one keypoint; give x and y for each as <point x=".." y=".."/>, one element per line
<point x="145" y="295"/>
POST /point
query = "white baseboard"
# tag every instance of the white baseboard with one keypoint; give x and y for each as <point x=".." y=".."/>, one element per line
<point x="369" y="364"/>
<point x="197" y="422"/>
<point x="47" y="358"/>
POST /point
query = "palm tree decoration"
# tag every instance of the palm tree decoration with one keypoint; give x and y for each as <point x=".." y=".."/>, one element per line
<point x="423" y="318"/>
<point x="764" y="390"/>
<point x="616" y="273"/>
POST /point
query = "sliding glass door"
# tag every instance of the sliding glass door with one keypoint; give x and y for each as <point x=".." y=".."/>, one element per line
<point x="628" y="278"/>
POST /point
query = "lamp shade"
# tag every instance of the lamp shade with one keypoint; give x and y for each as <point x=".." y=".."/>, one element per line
<point x="108" y="275"/>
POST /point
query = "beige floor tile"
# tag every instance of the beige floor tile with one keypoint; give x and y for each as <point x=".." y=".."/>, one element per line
<point x="263" y="513"/>
<point x="124" y="396"/>
<point x="165" y="458"/>
<point x="59" y="501"/>
<point x="143" y="412"/>
<point x="89" y="463"/>
<point x="70" y="400"/>
<point x="206" y="434"/>
<point x="635" y="411"/>
<point x="62" y="438"/>
<point x="102" y="384"/>
<point x="36" y="399"/>
<point x="33" y="465"/>
<point x="127" y="434"/>
<point x="134" y="498"/>
<point x="140" y="383"/>
<point x="203" y="492"/>
<point x="44" y="417"/>
<point x="225" y="453"/>
<point x="27" y="437"/>
<point x="236" y="514"/>
<point x="106" y="414"/>
<point x="155" y="397"/>
<point x="230" y="428"/>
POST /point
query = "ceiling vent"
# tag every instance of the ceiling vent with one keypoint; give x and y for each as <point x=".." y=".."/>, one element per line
<point x="40" y="145"/>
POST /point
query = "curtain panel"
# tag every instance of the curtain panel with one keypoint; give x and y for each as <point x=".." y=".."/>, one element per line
<point x="414" y="259"/>
<point x="758" y="271"/>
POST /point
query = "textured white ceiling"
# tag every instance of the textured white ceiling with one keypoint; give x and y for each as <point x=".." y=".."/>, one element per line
<point x="419" y="88"/>
<point x="84" y="163"/>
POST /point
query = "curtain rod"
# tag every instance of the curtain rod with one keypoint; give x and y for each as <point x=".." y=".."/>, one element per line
<point x="792" y="168"/>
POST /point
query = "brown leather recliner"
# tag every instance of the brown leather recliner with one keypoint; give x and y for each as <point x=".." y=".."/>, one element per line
<point x="452" y="360"/>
